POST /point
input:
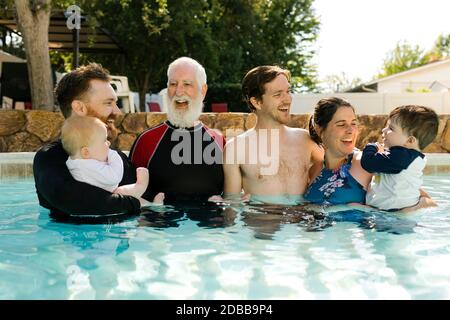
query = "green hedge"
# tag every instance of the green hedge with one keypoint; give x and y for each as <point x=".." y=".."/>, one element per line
<point x="229" y="93"/>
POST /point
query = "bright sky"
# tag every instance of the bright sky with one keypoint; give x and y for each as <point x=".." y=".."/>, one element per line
<point x="355" y="35"/>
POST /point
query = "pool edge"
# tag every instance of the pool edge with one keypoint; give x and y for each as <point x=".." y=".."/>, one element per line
<point x="20" y="164"/>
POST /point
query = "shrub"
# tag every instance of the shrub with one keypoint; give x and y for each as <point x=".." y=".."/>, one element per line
<point x="229" y="93"/>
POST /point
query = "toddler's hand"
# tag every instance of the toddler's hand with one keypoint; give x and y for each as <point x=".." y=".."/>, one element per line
<point x="380" y="147"/>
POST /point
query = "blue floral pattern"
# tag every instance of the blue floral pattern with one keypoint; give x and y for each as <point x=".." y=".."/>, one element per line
<point x="336" y="187"/>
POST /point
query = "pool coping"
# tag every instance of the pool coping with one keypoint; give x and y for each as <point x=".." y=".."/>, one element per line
<point x="433" y="159"/>
<point x="20" y="157"/>
<point x="20" y="163"/>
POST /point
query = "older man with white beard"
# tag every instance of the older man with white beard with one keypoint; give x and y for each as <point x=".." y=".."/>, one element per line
<point x="183" y="156"/>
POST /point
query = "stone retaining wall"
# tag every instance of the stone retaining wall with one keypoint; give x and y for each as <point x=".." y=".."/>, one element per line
<point x="27" y="130"/>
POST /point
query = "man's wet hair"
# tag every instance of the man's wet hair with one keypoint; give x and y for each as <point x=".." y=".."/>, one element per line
<point x="75" y="84"/>
<point x="255" y="80"/>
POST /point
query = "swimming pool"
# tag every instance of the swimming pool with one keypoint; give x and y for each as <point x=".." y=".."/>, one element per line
<point x="213" y="252"/>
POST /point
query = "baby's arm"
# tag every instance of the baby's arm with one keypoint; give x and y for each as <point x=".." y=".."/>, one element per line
<point x="394" y="161"/>
<point x="136" y="189"/>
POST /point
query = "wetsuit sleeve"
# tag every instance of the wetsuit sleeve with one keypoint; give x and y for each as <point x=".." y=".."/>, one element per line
<point x="136" y="152"/>
<point x="393" y="161"/>
<point x="60" y="192"/>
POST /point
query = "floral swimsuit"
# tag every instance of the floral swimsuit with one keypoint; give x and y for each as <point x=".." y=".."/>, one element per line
<point x="336" y="186"/>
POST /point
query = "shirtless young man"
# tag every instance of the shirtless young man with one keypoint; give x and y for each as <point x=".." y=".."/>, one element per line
<point x="270" y="159"/>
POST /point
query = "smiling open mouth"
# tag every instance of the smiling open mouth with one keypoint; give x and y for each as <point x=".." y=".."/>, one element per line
<point x="283" y="109"/>
<point x="347" y="141"/>
<point x="181" y="103"/>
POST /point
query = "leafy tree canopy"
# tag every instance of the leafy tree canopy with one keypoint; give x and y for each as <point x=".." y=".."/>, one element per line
<point x="406" y="56"/>
<point x="228" y="37"/>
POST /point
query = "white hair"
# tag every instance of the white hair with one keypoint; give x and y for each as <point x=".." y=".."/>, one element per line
<point x="200" y="72"/>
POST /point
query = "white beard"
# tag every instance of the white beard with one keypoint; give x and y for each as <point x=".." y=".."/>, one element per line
<point x="183" y="118"/>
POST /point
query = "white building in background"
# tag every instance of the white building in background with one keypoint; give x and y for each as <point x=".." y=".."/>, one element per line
<point x="375" y="103"/>
<point x="427" y="85"/>
<point x="434" y="76"/>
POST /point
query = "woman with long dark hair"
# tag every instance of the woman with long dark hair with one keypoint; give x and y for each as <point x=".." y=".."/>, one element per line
<point x="342" y="180"/>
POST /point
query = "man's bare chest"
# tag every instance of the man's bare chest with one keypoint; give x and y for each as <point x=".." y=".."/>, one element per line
<point x="290" y="162"/>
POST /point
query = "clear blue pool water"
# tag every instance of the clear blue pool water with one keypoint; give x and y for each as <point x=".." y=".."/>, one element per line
<point x="257" y="252"/>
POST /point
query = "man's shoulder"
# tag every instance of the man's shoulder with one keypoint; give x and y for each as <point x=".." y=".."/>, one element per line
<point x="156" y="127"/>
<point x="150" y="133"/>
<point x="299" y="135"/>
<point x="213" y="132"/>
<point x="51" y="149"/>
<point x="298" y="131"/>
<point x="51" y="146"/>
<point x="243" y="135"/>
<point x="247" y="133"/>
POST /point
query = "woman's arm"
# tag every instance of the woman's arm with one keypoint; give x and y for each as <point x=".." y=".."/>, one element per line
<point x="357" y="171"/>
<point x="317" y="154"/>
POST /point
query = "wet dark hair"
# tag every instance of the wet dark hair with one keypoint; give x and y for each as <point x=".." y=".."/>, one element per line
<point x="254" y="81"/>
<point x="323" y="113"/>
<point x="418" y="121"/>
<point x="76" y="83"/>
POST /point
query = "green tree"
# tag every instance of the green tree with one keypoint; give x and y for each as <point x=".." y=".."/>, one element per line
<point x="290" y="28"/>
<point x="228" y="37"/>
<point x="153" y="33"/>
<point x="10" y="42"/>
<point x="252" y="33"/>
<point x="404" y="57"/>
<point x="441" y="48"/>
<point x="33" y="19"/>
<point x="234" y="24"/>
<point x="339" y="82"/>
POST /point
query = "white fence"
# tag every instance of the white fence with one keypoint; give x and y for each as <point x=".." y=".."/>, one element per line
<point x="375" y="103"/>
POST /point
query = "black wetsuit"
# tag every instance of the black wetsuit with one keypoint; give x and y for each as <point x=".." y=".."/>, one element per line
<point x="58" y="191"/>
<point x="184" y="164"/>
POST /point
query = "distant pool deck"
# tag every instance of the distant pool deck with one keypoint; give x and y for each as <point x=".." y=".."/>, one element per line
<point x="20" y="164"/>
